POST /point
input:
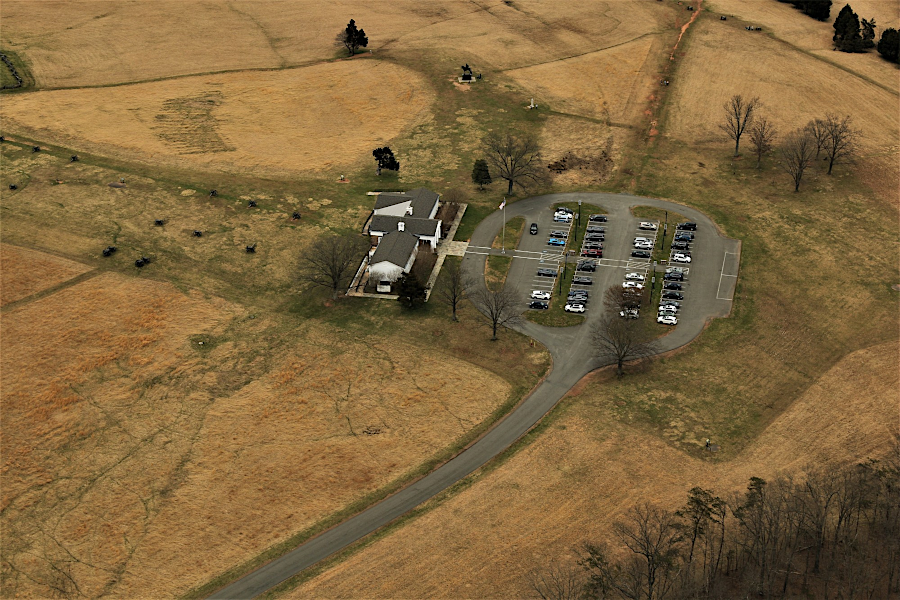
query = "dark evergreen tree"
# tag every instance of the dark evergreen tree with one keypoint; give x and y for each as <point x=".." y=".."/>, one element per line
<point x="352" y="38"/>
<point x="818" y="9"/>
<point x="867" y="31"/>
<point x="889" y="45"/>
<point x="384" y="158"/>
<point x="846" y="31"/>
<point x="410" y="290"/>
<point x="481" y="175"/>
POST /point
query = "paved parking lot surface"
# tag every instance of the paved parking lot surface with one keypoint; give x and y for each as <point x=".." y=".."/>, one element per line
<point x="709" y="288"/>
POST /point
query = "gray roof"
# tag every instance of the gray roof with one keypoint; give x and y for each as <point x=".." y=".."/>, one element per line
<point x="395" y="247"/>
<point x="387" y="223"/>
<point x="421" y="200"/>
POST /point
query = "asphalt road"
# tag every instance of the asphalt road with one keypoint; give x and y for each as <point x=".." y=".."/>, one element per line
<point x="708" y="295"/>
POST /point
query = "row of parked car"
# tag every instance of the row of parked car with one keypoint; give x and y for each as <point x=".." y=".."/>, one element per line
<point x="672" y="295"/>
<point x="591" y="250"/>
<point x="681" y="243"/>
<point x="562" y="219"/>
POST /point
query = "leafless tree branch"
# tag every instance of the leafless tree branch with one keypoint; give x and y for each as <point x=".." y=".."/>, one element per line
<point x="739" y="114"/>
<point x="515" y="158"/>
<point x="331" y="261"/>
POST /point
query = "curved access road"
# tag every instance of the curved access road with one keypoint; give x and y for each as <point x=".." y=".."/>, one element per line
<point x="709" y="296"/>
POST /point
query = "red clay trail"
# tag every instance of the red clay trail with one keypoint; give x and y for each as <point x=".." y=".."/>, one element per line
<point x="685" y="26"/>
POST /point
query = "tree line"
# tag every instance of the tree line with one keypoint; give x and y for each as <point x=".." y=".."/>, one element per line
<point x="829" y="534"/>
<point x="832" y="136"/>
<point x="851" y="34"/>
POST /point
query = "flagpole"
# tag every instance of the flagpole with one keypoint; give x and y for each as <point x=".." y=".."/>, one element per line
<point x="503" y="235"/>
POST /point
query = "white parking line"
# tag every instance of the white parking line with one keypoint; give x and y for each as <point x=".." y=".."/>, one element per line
<point x="721" y="275"/>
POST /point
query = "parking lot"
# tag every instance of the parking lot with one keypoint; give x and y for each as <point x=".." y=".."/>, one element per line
<point x="549" y="260"/>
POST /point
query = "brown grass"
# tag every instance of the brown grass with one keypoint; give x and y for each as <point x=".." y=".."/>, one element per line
<point x="130" y="448"/>
<point x="815" y="36"/>
<point x="482" y="542"/>
<point x="24" y="272"/>
<point x="239" y="121"/>
<point x="607" y="84"/>
<point x="788" y="82"/>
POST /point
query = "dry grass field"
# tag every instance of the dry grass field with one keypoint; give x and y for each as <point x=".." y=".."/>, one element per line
<point x="145" y="430"/>
<point x="814" y="36"/>
<point x="606" y="84"/>
<point x="788" y="82"/>
<point x="132" y="449"/>
<point x="573" y="481"/>
<point x="237" y="122"/>
<point x="25" y="272"/>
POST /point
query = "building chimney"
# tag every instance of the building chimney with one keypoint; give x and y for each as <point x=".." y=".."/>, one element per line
<point x="401" y="226"/>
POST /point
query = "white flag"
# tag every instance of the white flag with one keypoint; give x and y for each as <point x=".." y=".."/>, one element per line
<point x="503" y="204"/>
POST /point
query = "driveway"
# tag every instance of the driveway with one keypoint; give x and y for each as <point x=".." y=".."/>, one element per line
<point x="711" y="280"/>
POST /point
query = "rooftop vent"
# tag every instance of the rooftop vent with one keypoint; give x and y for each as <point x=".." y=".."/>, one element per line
<point x="401" y="226"/>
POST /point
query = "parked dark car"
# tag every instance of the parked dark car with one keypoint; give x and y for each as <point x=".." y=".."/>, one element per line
<point x="673" y="295"/>
<point x="586" y="266"/>
<point x="597" y="218"/>
<point x="595" y="229"/>
<point x="539" y="305"/>
<point x="595" y="236"/>
<point x="592" y="253"/>
<point x="640" y="254"/>
<point x="684" y="236"/>
<point x="533" y="229"/>
<point x="687" y="226"/>
<point x="677" y="245"/>
<point x="674" y="276"/>
<point x="672" y="285"/>
<point x="546" y="272"/>
<point x="580" y="280"/>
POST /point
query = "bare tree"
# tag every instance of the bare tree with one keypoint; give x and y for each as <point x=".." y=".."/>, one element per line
<point x="618" y="298"/>
<point x="739" y="113"/>
<point x="331" y="261"/>
<point x="621" y="341"/>
<point x="558" y="582"/>
<point x="797" y="155"/>
<point x="653" y="535"/>
<point x="762" y="136"/>
<point x="816" y="129"/>
<point x="454" y="195"/>
<point x="840" y="139"/>
<point x="515" y="158"/>
<point x="451" y="286"/>
<point x="501" y="307"/>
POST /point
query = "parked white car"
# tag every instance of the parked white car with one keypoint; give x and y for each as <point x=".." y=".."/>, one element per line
<point x="648" y="225"/>
<point x="667" y="320"/>
<point x="634" y="277"/>
<point x="575" y="308"/>
<point x="540" y="295"/>
<point x="644" y="245"/>
<point x="633" y="284"/>
<point x="682" y="258"/>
